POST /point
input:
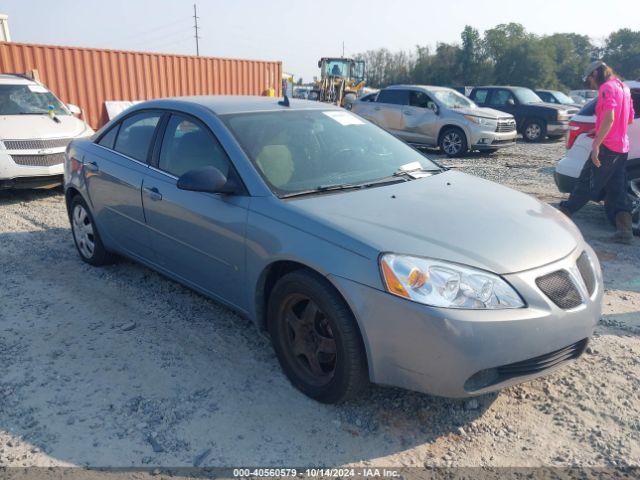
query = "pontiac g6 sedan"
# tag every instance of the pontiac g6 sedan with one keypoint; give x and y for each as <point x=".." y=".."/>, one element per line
<point x="362" y="259"/>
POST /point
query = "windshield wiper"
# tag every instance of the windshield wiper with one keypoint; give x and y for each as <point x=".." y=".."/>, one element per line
<point x="322" y="189"/>
<point x="348" y="186"/>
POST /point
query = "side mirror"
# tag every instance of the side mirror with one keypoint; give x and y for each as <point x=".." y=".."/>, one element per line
<point x="206" y="179"/>
<point x="74" y="109"/>
<point x="511" y="102"/>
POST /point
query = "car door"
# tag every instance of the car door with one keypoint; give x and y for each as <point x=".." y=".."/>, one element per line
<point x="634" y="128"/>
<point x="419" y="118"/>
<point x="198" y="237"/>
<point x="504" y="100"/>
<point x="115" y="167"/>
<point x="387" y="110"/>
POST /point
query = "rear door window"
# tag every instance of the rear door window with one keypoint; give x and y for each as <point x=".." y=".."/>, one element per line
<point x="480" y="95"/>
<point x="108" y="139"/>
<point x="395" y="97"/>
<point x="135" y="135"/>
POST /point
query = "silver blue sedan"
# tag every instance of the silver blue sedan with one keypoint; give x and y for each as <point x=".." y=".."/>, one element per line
<point x="362" y="259"/>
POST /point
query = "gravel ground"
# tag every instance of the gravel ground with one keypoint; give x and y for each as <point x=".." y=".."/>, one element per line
<point x="119" y="366"/>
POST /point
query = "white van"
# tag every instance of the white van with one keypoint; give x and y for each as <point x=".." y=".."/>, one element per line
<point x="35" y="129"/>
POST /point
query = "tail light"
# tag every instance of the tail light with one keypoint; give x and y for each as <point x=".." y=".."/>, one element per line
<point x="576" y="129"/>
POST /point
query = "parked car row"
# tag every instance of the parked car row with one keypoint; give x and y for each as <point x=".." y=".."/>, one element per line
<point x="36" y="128"/>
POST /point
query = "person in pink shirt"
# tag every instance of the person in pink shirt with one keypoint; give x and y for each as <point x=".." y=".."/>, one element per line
<point x="606" y="172"/>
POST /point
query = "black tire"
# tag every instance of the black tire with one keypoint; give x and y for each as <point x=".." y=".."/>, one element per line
<point x="634" y="198"/>
<point x="305" y="312"/>
<point x="97" y="255"/>
<point x="453" y="142"/>
<point x="534" y="130"/>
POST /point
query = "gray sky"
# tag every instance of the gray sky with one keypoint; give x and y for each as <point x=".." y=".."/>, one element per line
<point x="297" y="32"/>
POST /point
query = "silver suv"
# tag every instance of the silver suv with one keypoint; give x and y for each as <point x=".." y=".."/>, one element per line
<point x="438" y="116"/>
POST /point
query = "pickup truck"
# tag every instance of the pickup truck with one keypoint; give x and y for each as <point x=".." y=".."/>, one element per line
<point x="535" y="119"/>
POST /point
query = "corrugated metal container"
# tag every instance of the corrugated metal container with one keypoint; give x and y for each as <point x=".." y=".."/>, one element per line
<point x="88" y="77"/>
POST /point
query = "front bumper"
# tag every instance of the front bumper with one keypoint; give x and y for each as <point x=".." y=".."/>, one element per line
<point x="490" y="140"/>
<point x="441" y="351"/>
<point x="557" y="129"/>
<point x="14" y="175"/>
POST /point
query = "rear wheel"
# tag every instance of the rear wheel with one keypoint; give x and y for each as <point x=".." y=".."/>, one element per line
<point x="316" y="338"/>
<point x="534" y="130"/>
<point x="453" y="142"/>
<point x="633" y="190"/>
<point x="85" y="234"/>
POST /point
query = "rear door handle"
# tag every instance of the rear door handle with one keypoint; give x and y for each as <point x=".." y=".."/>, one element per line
<point x="92" y="166"/>
<point x="376" y="108"/>
<point x="152" y="193"/>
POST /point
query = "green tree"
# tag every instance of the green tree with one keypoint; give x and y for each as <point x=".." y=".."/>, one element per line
<point x="622" y="53"/>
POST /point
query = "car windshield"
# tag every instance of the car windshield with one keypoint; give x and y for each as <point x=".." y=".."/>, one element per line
<point x="301" y="150"/>
<point x="29" y="100"/>
<point x="564" y="99"/>
<point x="526" y="95"/>
<point x="453" y="99"/>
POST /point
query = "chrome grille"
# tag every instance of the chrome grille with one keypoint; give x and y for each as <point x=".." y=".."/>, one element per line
<point x="36" y="144"/>
<point x="39" y="160"/>
<point x="559" y="287"/>
<point x="586" y="270"/>
<point x="506" y="126"/>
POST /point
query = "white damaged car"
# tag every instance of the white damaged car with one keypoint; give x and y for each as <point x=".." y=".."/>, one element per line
<point x="35" y="129"/>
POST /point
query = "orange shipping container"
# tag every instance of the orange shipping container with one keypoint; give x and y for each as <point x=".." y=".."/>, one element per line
<point x="88" y="77"/>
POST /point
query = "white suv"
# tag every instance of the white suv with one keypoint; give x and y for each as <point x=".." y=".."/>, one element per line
<point x="581" y="130"/>
<point x="35" y="128"/>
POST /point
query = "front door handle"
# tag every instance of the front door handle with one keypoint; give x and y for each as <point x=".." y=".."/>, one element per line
<point x="92" y="166"/>
<point x="407" y="112"/>
<point x="152" y="193"/>
<point x="376" y="108"/>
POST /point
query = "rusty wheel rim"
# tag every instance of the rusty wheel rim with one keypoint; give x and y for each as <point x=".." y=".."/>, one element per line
<point x="309" y="340"/>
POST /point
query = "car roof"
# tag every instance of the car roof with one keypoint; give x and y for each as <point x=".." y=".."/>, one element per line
<point x="545" y="90"/>
<point x="426" y="87"/>
<point x="507" y="87"/>
<point x="8" y="79"/>
<point x="226" y="104"/>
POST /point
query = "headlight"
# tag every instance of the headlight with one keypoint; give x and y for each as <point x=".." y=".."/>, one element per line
<point x="562" y="116"/>
<point x="478" y="120"/>
<point x="444" y="284"/>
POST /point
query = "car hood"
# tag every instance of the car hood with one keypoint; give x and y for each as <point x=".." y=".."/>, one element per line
<point x="552" y="106"/>
<point x="450" y="216"/>
<point x="483" y="112"/>
<point x="22" y="127"/>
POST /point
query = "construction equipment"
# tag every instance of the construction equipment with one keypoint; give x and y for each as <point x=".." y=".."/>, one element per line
<point x="340" y="80"/>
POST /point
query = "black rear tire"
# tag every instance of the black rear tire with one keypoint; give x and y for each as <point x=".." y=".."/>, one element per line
<point x="453" y="142"/>
<point x="634" y="198"/>
<point x="85" y="234"/>
<point x="534" y="130"/>
<point x="307" y="315"/>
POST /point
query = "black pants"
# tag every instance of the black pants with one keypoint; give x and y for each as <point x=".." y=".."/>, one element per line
<point x="609" y="182"/>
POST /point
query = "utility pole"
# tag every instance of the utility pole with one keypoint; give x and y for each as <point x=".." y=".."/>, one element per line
<point x="195" y="25"/>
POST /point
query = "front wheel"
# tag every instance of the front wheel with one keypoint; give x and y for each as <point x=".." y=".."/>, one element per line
<point x="633" y="190"/>
<point x="534" y="130"/>
<point x="316" y="338"/>
<point x="453" y="142"/>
